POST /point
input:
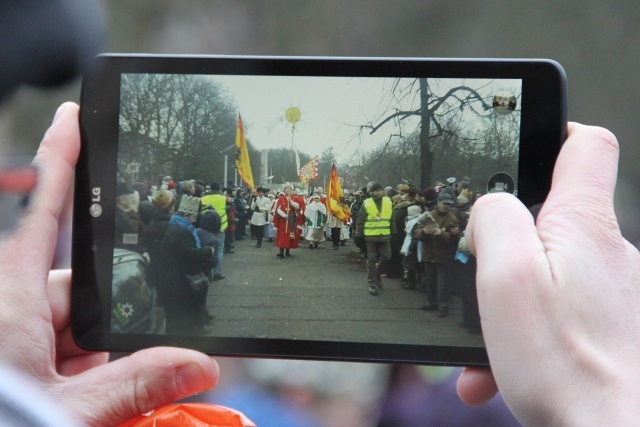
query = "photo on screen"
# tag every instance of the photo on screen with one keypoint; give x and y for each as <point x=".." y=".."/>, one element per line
<point x="238" y="144"/>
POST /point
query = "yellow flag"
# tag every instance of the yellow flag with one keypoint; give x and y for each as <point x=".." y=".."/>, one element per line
<point x="242" y="156"/>
<point x="334" y="193"/>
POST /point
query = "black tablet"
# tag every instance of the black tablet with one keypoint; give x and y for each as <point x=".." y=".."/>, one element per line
<point x="166" y="140"/>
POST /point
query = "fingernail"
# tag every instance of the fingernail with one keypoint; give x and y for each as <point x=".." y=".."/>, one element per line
<point x="58" y="113"/>
<point x="190" y="376"/>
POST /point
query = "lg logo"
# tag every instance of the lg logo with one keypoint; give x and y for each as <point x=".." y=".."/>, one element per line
<point x="95" y="209"/>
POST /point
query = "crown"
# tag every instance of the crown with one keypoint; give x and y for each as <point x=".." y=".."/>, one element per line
<point x="189" y="205"/>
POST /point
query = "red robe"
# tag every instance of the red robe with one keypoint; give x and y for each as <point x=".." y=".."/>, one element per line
<point x="286" y="226"/>
<point x="300" y="218"/>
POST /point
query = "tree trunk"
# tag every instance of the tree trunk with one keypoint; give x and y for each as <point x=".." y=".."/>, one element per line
<point x="426" y="155"/>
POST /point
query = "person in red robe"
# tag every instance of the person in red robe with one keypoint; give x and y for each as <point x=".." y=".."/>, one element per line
<point x="285" y="221"/>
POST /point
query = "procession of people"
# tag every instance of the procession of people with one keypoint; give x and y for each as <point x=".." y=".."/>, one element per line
<point x="412" y="236"/>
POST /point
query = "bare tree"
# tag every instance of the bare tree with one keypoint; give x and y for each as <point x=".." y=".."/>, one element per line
<point x="174" y="124"/>
<point x="422" y="111"/>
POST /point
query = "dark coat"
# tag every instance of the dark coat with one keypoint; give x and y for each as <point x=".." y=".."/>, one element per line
<point x="178" y="256"/>
<point x="439" y="248"/>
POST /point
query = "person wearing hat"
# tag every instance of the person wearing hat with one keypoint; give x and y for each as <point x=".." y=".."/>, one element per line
<point x="316" y="216"/>
<point x="285" y="222"/>
<point x="375" y="227"/>
<point x="439" y="232"/>
<point x="181" y="256"/>
<point x="260" y="206"/>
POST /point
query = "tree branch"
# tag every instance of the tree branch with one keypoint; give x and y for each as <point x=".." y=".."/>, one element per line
<point x="401" y="114"/>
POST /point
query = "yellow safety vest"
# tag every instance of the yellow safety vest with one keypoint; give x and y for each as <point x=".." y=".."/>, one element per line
<point x="219" y="203"/>
<point x="378" y="223"/>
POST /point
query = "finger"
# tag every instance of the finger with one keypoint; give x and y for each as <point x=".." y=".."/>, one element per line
<point x="502" y="229"/>
<point x="585" y="175"/>
<point x="37" y="229"/>
<point x="73" y="360"/>
<point x="59" y="294"/>
<point x="83" y="362"/>
<point x="120" y="390"/>
<point x="476" y="386"/>
<point x="510" y="258"/>
<point x="70" y="359"/>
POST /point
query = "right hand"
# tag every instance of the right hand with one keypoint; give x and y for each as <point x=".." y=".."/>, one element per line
<point x="559" y="299"/>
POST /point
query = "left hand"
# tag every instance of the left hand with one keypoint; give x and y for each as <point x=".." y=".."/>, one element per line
<point x="35" y="333"/>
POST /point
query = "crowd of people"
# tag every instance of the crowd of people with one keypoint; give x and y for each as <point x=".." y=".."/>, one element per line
<point x="417" y="236"/>
<point x="185" y="228"/>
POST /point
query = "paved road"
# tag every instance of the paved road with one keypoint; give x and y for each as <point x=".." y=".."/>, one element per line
<point x="322" y="294"/>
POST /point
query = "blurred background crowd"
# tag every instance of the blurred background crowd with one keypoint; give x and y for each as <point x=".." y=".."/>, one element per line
<point x="596" y="42"/>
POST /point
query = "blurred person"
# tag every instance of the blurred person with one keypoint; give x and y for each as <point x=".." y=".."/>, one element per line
<point x="301" y="393"/>
<point x="426" y="396"/>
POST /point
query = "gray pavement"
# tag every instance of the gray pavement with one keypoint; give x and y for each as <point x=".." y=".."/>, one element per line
<point x="322" y="294"/>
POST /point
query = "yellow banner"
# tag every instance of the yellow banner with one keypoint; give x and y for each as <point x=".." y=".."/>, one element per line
<point x="242" y="156"/>
<point x="334" y="193"/>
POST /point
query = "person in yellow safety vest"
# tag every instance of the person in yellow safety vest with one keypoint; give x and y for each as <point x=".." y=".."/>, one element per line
<point x="216" y="200"/>
<point x="375" y="227"/>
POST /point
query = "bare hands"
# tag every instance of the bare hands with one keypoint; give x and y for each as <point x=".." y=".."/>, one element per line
<point x="559" y="300"/>
<point x="35" y="334"/>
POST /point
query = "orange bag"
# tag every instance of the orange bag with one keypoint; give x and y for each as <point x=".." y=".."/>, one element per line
<point x="191" y="415"/>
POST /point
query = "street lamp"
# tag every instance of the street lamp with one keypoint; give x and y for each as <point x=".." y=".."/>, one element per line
<point x="226" y="159"/>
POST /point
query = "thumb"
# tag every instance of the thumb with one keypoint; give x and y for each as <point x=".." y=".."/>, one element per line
<point x="118" y="391"/>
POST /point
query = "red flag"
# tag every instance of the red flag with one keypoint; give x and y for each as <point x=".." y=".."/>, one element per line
<point x="334" y="193"/>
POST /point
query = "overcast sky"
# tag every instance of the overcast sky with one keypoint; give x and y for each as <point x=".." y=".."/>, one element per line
<point x="331" y="109"/>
